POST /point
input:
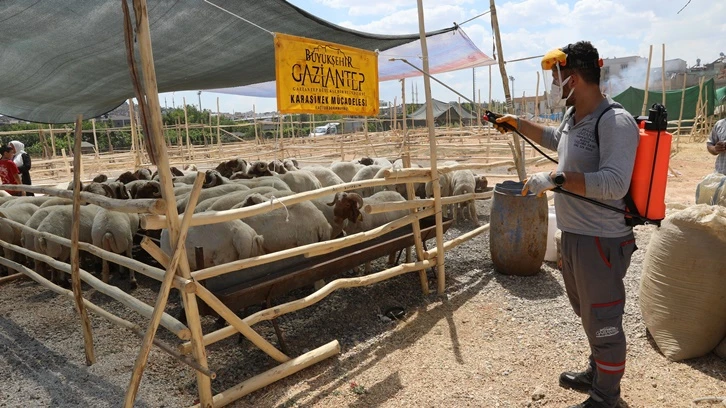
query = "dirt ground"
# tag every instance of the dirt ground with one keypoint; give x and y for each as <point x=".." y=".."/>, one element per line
<point x="492" y="341"/>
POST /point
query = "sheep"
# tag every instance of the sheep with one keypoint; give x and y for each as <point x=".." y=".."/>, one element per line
<point x="19" y="213"/>
<point x="288" y="227"/>
<point x="27" y="239"/>
<point x="347" y="207"/>
<point x="291" y="164"/>
<point x="259" y="169"/>
<point x="127" y="177"/>
<point x="381" y="161"/>
<point x="230" y="241"/>
<point x="56" y="201"/>
<point x="274" y="182"/>
<point x="145" y="189"/>
<point x="227" y="201"/>
<point x="59" y="222"/>
<point x="240" y="175"/>
<point x="345" y="170"/>
<point x="174" y="173"/>
<point x="366" y="173"/>
<point x="366" y="161"/>
<point x="113" y="189"/>
<point x="143" y="174"/>
<point x="212" y="178"/>
<point x="463" y="182"/>
<point x="205" y="194"/>
<point x="277" y="166"/>
<point x="300" y="181"/>
<point x="325" y="176"/>
<point x="36" y="200"/>
<point x="228" y="168"/>
<point x="481" y="184"/>
<point x="114" y="231"/>
<point x="190" y="167"/>
<point x="100" y="178"/>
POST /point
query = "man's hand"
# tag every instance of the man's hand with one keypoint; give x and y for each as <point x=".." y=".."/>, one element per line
<point x="720" y="147"/>
<point x="538" y="183"/>
<point x="511" y="121"/>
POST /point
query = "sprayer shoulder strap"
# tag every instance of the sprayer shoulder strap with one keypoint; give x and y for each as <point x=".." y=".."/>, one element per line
<point x="597" y="124"/>
<point x="629" y="202"/>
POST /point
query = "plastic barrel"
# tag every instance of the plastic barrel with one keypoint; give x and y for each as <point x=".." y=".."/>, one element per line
<point x="518" y="230"/>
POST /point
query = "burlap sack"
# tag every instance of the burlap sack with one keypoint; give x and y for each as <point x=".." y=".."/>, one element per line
<point x="711" y="190"/>
<point x="683" y="284"/>
<point x="720" y="350"/>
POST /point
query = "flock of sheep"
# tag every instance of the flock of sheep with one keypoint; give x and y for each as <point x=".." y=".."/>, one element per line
<point x="232" y="184"/>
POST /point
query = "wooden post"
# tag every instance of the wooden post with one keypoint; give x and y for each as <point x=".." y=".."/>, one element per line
<point x="518" y="159"/>
<point x="407" y="147"/>
<point x="177" y="232"/>
<point x="254" y="122"/>
<point x="440" y="271"/>
<point x="110" y="145"/>
<point x="219" y="138"/>
<point x="680" y="115"/>
<point x="662" y="75"/>
<point x="95" y="138"/>
<point x="134" y="147"/>
<point x="52" y="140"/>
<point x="647" y="81"/>
<point x="186" y="130"/>
<point x="65" y="164"/>
<point x="489" y="105"/>
<point x="536" y="99"/>
<point x="75" y="234"/>
<point x="410" y="194"/>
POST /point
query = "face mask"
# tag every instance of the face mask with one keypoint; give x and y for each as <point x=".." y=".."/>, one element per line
<point x="555" y="97"/>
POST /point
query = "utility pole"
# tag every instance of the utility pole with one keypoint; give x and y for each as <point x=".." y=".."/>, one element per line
<point x="199" y="95"/>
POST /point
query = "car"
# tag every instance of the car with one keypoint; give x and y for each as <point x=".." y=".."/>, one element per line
<point x="329" y="129"/>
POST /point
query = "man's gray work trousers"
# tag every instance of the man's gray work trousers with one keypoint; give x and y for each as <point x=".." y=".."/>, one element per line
<point x="593" y="270"/>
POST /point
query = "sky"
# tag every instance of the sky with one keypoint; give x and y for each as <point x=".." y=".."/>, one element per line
<point x="617" y="28"/>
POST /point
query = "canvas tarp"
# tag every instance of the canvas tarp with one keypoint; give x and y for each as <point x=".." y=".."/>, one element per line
<point x="632" y="100"/>
<point x="440" y="108"/>
<point x="720" y="95"/>
<point x="61" y="58"/>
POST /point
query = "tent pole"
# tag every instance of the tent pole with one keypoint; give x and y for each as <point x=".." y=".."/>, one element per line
<point x="440" y="271"/>
<point x="680" y="115"/>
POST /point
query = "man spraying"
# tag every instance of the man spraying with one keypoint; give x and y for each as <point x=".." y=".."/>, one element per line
<point x="597" y="244"/>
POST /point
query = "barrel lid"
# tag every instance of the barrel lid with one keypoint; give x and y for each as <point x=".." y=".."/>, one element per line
<point x="510" y="187"/>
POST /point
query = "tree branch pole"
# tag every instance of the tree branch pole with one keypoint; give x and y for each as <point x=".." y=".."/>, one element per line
<point x="143" y="36"/>
<point x="518" y="159"/>
<point x="440" y="270"/>
<point x="75" y="234"/>
<point x="647" y="82"/>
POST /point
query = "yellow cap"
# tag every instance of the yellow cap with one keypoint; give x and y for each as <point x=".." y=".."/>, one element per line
<point x="556" y="56"/>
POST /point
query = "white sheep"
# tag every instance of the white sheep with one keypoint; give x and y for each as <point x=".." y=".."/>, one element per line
<point x="59" y="222"/>
<point x="229" y="200"/>
<point x="21" y="214"/>
<point x="208" y="193"/>
<point x="300" y="181"/>
<point x="326" y="176"/>
<point x="366" y="173"/>
<point x="288" y="227"/>
<point x="221" y="243"/>
<point x="267" y="181"/>
<point x="463" y="182"/>
<point x="114" y="231"/>
<point x="346" y="170"/>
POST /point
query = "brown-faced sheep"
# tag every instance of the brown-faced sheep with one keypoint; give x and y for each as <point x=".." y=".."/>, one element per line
<point x="229" y="167"/>
<point x="127" y="177"/>
<point x="325" y="176"/>
<point x="100" y="178"/>
<point x="259" y="169"/>
<point x="277" y="166"/>
<point x="300" y="181"/>
<point x="114" y="231"/>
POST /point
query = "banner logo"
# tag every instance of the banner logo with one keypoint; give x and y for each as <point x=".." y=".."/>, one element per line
<point x="321" y="77"/>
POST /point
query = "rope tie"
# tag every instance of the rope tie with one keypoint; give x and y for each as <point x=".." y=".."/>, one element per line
<point x="287" y="212"/>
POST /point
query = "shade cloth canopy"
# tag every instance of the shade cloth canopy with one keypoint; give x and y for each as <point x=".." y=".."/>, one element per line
<point x="61" y="58"/>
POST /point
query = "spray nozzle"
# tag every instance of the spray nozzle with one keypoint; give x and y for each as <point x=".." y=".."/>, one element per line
<point x="491" y="117"/>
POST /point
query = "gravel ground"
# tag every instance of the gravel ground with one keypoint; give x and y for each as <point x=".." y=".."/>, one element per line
<point x="492" y="341"/>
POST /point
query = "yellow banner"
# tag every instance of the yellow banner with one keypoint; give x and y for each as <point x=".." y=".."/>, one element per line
<point x="320" y="77"/>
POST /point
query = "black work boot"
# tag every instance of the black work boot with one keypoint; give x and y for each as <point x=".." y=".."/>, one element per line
<point x="578" y="381"/>
<point x="591" y="403"/>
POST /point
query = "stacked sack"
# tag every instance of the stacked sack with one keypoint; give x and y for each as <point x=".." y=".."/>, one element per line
<point x="683" y="285"/>
<point x="712" y="190"/>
